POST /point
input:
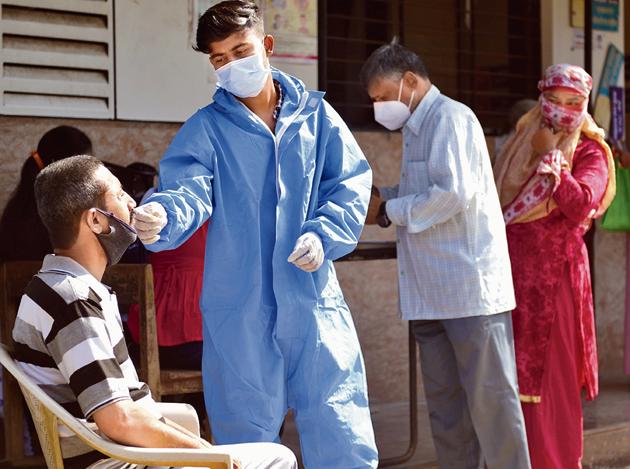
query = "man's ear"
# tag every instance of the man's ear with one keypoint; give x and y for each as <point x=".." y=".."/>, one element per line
<point x="96" y="221"/>
<point x="268" y="42"/>
<point x="410" y="79"/>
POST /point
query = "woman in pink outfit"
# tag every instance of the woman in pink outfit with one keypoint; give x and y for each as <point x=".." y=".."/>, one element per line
<point x="177" y="280"/>
<point x="556" y="175"/>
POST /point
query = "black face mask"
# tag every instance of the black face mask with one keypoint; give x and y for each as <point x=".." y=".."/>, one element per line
<point x="120" y="237"/>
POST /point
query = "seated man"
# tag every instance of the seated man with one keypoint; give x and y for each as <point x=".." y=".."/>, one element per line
<point x="68" y="332"/>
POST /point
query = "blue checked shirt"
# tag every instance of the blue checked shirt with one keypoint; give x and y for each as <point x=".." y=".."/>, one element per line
<point x="453" y="258"/>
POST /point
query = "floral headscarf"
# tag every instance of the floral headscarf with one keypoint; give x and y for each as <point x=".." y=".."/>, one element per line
<point x="567" y="76"/>
<point x="515" y="171"/>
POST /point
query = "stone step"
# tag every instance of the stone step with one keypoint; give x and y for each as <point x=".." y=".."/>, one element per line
<point x="607" y="428"/>
<point x="607" y="446"/>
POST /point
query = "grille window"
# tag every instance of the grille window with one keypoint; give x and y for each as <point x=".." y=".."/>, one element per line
<point x="485" y="53"/>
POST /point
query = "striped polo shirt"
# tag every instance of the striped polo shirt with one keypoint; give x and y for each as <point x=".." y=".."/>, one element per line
<point x="69" y="339"/>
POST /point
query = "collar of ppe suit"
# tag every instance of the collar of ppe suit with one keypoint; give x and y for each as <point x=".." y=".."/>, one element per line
<point x="297" y="102"/>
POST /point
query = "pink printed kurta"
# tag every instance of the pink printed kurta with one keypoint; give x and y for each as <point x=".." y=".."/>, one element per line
<point x="541" y="252"/>
<point x="177" y="280"/>
<point x="552" y="285"/>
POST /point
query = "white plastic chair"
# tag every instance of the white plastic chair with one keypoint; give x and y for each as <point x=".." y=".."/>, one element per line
<point x="47" y="414"/>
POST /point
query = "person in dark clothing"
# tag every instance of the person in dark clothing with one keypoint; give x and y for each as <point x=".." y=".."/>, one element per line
<point x="22" y="234"/>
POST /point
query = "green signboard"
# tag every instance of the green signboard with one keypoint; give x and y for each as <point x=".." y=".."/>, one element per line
<point x="606" y="15"/>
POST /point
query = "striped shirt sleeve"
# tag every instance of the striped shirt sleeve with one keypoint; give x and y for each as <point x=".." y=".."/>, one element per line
<point x="79" y="343"/>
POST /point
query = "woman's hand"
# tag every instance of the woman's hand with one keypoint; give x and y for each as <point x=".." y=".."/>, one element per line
<point x="552" y="165"/>
<point x="544" y="140"/>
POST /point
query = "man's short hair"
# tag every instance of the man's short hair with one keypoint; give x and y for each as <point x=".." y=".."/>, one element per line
<point x="225" y="19"/>
<point x="63" y="191"/>
<point x="391" y="60"/>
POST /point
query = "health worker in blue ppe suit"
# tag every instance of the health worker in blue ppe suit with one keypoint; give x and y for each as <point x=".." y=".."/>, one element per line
<point x="287" y="189"/>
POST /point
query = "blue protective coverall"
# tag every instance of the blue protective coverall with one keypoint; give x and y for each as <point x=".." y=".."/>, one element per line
<point x="275" y="337"/>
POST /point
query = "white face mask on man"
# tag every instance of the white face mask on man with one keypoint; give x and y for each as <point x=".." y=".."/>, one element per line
<point x="244" y="77"/>
<point x="393" y="114"/>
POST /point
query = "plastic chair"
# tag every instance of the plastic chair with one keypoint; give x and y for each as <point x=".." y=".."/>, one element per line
<point x="133" y="283"/>
<point x="47" y="414"/>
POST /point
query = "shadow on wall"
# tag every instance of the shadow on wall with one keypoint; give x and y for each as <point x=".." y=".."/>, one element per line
<point x="119" y="142"/>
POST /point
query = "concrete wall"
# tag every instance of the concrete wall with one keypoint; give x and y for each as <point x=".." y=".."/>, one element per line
<point x="610" y="290"/>
<point x="370" y="286"/>
<point x="114" y="141"/>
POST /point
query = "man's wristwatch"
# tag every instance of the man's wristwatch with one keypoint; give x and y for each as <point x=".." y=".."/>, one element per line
<point x="382" y="219"/>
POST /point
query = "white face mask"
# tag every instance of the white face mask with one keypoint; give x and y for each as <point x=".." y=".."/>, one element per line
<point x="393" y="114"/>
<point x="245" y="77"/>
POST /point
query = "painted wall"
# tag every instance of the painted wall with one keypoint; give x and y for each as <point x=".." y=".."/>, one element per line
<point x="558" y="38"/>
<point x="370" y="287"/>
<point x="159" y="77"/>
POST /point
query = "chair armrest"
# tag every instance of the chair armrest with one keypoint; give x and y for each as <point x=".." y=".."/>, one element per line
<point x="173" y="457"/>
<point x="212" y="458"/>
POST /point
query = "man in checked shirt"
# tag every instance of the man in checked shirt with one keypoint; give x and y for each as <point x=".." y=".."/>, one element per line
<point x="454" y="269"/>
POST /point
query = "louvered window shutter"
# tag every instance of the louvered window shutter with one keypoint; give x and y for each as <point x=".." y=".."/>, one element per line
<point x="57" y="58"/>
